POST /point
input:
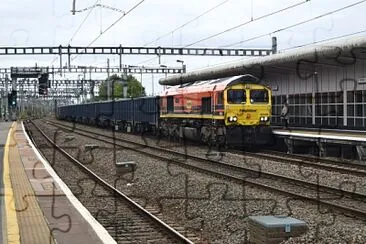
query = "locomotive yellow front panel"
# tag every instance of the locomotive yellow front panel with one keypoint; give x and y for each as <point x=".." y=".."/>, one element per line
<point x="247" y="105"/>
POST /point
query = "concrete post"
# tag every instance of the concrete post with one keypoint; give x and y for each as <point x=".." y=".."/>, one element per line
<point x="125" y="90"/>
<point x="14" y="88"/>
<point x="108" y="82"/>
<point x="345" y="107"/>
<point x="315" y="85"/>
<point x="1" y="105"/>
<point x="6" y="97"/>
<point x="274" y="45"/>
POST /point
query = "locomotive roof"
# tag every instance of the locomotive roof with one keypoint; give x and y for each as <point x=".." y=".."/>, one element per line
<point x="210" y="85"/>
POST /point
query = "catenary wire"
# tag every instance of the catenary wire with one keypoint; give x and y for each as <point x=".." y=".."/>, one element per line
<point x="297" y="24"/>
<point x="81" y="24"/>
<point x="285" y="49"/>
<point x="113" y="24"/>
<point x="324" y="40"/>
<point x="188" y="22"/>
<point x="247" y="22"/>
<point x="77" y="30"/>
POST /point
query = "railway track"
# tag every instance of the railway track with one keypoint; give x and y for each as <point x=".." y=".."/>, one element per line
<point x="345" y="167"/>
<point x="348" y="203"/>
<point x="123" y="218"/>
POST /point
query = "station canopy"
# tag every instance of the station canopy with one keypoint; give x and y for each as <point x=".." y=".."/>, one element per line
<point x="337" y="53"/>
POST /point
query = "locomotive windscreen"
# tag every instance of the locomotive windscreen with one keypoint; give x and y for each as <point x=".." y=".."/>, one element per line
<point x="259" y="96"/>
<point x="236" y="96"/>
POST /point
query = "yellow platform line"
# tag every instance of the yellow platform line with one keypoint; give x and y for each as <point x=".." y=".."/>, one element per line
<point x="12" y="227"/>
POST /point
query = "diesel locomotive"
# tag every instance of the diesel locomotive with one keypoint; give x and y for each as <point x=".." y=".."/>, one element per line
<point x="232" y="110"/>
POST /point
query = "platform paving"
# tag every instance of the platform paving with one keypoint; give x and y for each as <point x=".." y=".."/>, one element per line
<point x="4" y="129"/>
<point x="42" y="211"/>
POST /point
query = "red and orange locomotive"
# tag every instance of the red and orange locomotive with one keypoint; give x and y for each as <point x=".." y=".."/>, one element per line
<point x="233" y="110"/>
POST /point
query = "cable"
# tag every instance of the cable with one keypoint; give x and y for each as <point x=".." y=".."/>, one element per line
<point x="101" y="20"/>
<point x="297" y="24"/>
<point x="147" y="60"/>
<point x="77" y="30"/>
<point x="247" y="22"/>
<point x="101" y="6"/>
<point x="185" y="24"/>
<point x="115" y="22"/>
<point x="325" y="40"/>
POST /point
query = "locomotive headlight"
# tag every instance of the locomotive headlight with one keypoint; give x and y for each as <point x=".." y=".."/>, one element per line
<point x="235" y="119"/>
<point x="265" y="118"/>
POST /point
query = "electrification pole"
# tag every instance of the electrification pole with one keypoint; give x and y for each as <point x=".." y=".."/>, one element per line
<point x="108" y="82"/>
<point x="6" y="96"/>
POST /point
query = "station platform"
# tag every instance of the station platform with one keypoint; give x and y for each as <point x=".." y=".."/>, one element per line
<point x="36" y="206"/>
<point x="322" y="138"/>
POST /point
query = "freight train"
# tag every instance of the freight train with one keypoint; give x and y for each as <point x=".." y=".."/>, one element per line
<point x="233" y="110"/>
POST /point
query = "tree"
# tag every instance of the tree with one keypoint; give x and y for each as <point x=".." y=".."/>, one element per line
<point x="134" y="87"/>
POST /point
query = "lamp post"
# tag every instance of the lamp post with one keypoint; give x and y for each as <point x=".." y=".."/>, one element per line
<point x="183" y="66"/>
<point x="164" y="68"/>
<point x="165" y="72"/>
<point x="82" y="87"/>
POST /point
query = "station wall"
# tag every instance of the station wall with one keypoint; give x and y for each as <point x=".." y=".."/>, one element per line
<point x="320" y="95"/>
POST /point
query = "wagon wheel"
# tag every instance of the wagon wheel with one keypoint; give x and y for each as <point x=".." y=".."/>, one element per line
<point x="220" y="143"/>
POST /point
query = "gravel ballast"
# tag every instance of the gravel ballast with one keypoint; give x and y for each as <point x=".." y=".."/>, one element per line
<point x="217" y="208"/>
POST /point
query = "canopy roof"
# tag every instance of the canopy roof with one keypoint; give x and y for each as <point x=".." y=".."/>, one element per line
<point x="336" y="53"/>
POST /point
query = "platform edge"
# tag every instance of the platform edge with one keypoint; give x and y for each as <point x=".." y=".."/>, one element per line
<point x="12" y="227"/>
<point x="101" y="232"/>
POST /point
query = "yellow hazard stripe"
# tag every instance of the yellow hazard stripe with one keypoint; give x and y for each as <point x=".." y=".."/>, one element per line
<point x="192" y="116"/>
<point x="12" y="228"/>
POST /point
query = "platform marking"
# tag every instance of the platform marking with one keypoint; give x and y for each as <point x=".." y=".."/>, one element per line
<point x="12" y="228"/>
<point x="101" y="232"/>
<point x="320" y="136"/>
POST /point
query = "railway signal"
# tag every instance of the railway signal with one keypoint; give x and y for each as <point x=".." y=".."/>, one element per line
<point x="43" y="84"/>
<point x="12" y="99"/>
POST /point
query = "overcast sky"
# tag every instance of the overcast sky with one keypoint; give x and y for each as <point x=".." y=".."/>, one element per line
<point x="50" y="23"/>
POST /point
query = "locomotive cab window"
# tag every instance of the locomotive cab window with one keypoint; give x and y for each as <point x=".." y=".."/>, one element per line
<point x="170" y="104"/>
<point x="259" y="96"/>
<point x="236" y="96"/>
<point x="220" y="98"/>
